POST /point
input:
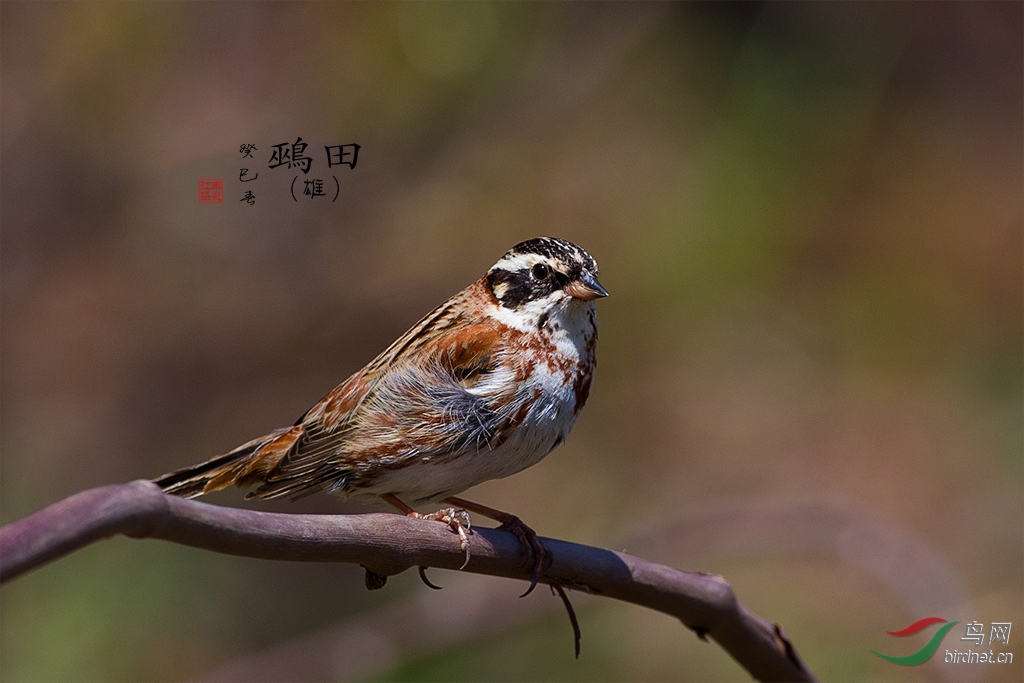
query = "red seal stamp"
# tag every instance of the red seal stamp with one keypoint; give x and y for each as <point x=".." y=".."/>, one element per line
<point x="211" y="190"/>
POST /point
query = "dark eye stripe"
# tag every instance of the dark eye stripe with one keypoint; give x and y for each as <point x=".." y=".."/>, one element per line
<point x="520" y="286"/>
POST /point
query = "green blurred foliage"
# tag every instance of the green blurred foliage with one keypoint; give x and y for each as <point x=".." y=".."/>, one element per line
<point x="809" y="217"/>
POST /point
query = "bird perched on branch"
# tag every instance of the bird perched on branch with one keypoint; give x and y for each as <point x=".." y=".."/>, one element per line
<point x="484" y="386"/>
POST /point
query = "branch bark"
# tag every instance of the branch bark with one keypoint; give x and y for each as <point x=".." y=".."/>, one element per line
<point x="387" y="544"/>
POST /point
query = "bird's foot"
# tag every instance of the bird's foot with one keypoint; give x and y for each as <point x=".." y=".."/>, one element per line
<point x="528" y="539"/>
<point x="457" y="520"/>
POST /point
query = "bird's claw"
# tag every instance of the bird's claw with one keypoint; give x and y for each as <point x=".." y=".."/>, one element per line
<point x="423" y="577"/>
<point x="528" y="539"/>
<point x="459" y="522"/>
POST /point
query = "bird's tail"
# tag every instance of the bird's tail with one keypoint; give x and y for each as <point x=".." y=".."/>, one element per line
<point x="245" y="466"/>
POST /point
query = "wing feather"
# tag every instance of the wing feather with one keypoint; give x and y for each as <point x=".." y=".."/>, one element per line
<point x="433" y="393"/>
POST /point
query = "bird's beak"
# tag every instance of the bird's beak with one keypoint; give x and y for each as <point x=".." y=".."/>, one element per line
<point x="586" y="287"/>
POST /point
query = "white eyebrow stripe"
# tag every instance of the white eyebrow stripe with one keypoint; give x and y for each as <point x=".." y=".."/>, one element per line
<point x="521" y="261"/>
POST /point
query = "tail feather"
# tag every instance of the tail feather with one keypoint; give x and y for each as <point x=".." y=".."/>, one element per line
<point x="245" y="466"/>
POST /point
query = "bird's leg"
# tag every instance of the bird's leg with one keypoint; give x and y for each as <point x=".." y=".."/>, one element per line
<point x="456" y="519"/>
<point x="528" y="539"/>
<point x="509" y="522"/>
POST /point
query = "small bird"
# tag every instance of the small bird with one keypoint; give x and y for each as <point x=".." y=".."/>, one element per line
<point x="482" y="387"/>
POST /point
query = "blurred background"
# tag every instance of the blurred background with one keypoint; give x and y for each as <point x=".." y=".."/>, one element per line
<point x="809" y="217"/>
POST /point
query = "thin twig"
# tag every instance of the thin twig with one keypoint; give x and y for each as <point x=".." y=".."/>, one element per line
<point x="555" y="588"/>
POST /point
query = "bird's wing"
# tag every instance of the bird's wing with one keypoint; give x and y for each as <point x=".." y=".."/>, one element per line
<point x="433" y="393"/>
<point x="337" y="408"/>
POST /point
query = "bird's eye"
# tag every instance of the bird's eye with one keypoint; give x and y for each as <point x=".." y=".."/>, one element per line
<point x="540" y="272"/>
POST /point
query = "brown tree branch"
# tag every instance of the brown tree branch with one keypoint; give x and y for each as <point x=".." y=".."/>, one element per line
<point x="388" y="544"/>
<point x="852" y="537"/>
